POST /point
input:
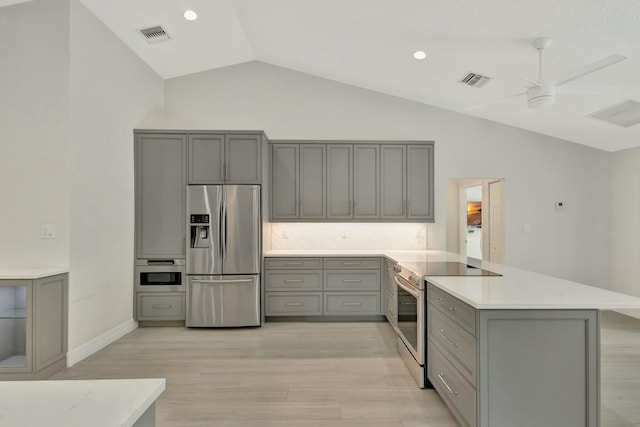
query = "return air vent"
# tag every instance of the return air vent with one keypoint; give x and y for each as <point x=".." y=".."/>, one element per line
<point x="626" y="113"/>
<point x="154" y="34"/>
<point x="474" y="79"/>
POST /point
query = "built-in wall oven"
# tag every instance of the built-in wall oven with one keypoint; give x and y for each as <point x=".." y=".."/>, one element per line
<point x="160" y="275"/>
<point x="411" y="311"/>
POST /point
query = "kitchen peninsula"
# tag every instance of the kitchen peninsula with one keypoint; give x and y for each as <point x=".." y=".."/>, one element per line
<point x="499" y="345"/>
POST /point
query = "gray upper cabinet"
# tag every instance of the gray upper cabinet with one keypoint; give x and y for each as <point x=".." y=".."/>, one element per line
<point x="161" y="179"/>
<point x="420" y="182"/>
<point x="225" y="158"/>
<point x="314" y="180"/>
<point x="393" y="181"/>
<point x="366" y="181"/>
<point x="339" y="181"/>
<point x="285" y="165"/>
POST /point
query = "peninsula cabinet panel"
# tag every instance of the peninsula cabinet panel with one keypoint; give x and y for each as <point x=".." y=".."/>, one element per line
<point x="393" y="182"/>
<point x="161" y="180"/>
<point x="339" y="181"/>
<point x="284" y="181"/>
<point x="420" y="182"/>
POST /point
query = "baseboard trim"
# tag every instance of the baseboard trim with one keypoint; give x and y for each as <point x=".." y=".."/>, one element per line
<point x="98" y="343"/>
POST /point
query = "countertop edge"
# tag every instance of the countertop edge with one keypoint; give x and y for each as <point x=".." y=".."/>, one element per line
<point x="148" y="401"/>
<point x="30" y="273"/>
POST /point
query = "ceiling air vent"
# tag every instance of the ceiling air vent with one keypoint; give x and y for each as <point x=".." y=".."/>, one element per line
<point x="154" y="34"/>
<point x="624" y="114"/>
<point x="475" y="79"/>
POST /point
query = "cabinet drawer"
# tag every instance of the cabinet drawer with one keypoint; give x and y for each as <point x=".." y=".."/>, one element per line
<point x="364" y="303"/>
<point x="352" y="281"/>
<point x="459" y="395"/>
<point x="290" y="280"/>
<point x="300" y="304"/>
<point x="292" y="263"/>
<point x="360" y="263"/>
<point x="458" y="344"/>
<point x="461" y="313"/>
<point x="160" y="306"/>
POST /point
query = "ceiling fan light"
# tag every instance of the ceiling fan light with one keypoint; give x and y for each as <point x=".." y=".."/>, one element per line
<point x="541" y="96"/>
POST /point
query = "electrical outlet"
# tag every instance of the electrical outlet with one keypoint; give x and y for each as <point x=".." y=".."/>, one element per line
<point x="345" y="235"/>
<point x="47" y="231"/>
<point x="419" y="233"/>
<point x="285" y="236"/>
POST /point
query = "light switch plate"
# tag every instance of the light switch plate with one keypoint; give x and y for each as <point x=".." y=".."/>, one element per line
<point x="47" y="231"/>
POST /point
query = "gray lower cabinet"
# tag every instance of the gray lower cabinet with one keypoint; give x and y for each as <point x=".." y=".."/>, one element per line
<point x="225" y="158"/>
<point x="322" y="287"/>
<point x="502" y="368"/>
<point x="160" y="306"/>
<point x="33" y="327"/>
<point x="160" y="186"/>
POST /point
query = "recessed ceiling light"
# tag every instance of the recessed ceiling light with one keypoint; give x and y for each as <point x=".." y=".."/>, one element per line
<point x="190" y="15"/>
<point x="419" y="54"/>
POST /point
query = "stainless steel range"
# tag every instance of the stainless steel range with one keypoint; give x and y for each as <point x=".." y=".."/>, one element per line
<point x="411" y="307"/>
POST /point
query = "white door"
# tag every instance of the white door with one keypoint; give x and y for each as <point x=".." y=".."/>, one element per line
<point x="496" y="222"/>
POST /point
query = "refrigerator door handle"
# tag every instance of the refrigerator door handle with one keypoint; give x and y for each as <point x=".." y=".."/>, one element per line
<point x="220" y="227"/>
<point x="224" y="226"/>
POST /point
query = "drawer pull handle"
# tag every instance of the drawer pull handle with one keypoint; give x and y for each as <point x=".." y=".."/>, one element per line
<point x="162" y="306"/>
<point x="441" y="377"/>
<point x="294" y="304"/>
<point x="453" y="308"/>
<point x="352" y="280"/>
<point x="294" y="281"/>
<point x="351" y="303"/>
<point x="351" y="263"/>
<point x="453" y="343"/>
<point x="293" y="263"/>
<point x="408" y="303"/>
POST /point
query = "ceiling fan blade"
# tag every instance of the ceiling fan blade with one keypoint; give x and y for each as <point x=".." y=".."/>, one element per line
<point x="587" y="69"/>
<point x="528" y="82"/>
<point x="494" y="101"/>
<point x="588" y="90"/>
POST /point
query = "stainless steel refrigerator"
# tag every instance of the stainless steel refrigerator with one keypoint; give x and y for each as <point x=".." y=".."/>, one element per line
<point x="223" y="255"/>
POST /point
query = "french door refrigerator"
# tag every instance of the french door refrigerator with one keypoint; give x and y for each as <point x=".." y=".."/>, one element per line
<point x="223" y="255"/>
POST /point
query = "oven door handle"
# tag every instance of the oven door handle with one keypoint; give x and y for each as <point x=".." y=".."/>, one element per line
<point x="410" y="290"/>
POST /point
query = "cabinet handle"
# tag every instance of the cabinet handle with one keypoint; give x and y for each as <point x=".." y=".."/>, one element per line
<point x="408" y="303"/>
<point x="351" y="263"/>
<point x="162" y="306"/>
<point x="352" y="280"/>
<point x="294" y="304"/>
<point x="293" y="263"/>
<point x="351" y="303"/>
<point x="293" y="281"/>
<point x="450" y="307"/>
<point x="441" y="377"/>
<point x="453" y="343"/>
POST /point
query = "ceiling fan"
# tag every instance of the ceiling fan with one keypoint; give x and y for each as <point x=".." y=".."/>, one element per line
<point x="542" y="93"/>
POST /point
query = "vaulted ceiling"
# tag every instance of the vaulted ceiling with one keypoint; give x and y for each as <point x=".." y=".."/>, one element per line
<point x="369" y="43"/>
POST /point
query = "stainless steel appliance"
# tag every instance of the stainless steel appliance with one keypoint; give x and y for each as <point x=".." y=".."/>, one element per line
<point x="223" y="255"/>
<point x="411" y="311"/>
<point x="166" y="275"/>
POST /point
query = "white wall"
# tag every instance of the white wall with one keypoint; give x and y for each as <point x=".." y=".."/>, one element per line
<point x="34" y="119"/>
<point x="539" y="170"/>
<point x="625" y="209"/>
<point x="112" y="92"/>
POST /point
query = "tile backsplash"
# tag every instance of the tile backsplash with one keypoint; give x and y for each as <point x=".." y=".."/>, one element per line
<point x="348" y="236"/>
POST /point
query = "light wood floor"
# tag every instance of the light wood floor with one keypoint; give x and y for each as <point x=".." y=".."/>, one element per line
<point x="316" y="375"/>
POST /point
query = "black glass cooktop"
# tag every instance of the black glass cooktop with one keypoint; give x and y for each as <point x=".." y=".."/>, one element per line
<point x="452" y="269"/>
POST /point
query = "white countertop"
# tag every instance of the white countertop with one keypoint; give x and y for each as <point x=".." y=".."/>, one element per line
<point x="516" y="289"/>
<point x="30" y="272"/>
<point x="77" y="403"/>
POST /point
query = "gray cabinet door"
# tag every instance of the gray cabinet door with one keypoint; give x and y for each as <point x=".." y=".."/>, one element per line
<point x="243" y="154"/>
<point x="161" y="180"/>
<point x="392" y="181"/>
<point x="284" y="181"/>
<point x="206" y="159"/>
<point x="366" y="181"/>
<point x="50" y="320"/>
<point x="420" y="182"/>
<point x="312" y="180"/>
<point x="339" y="181"/>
